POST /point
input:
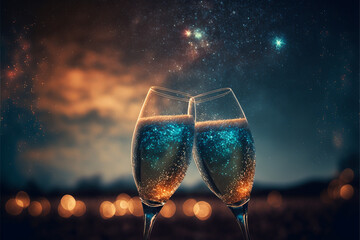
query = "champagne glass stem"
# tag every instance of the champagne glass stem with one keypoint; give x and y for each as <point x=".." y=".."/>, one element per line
<point x="150" y="214"/>
<point x="242" y="219"/>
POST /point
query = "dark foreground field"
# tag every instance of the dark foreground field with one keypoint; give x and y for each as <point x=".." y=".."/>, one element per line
<point x="296" y="218"/>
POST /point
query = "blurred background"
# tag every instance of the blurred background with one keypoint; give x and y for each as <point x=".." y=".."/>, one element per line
<point x="74" y="75"/>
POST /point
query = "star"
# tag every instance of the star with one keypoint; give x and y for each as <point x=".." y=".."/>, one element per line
<point x="198" y="34"/>
<point x="187" y="33"/>
<point x="279" y="43"/>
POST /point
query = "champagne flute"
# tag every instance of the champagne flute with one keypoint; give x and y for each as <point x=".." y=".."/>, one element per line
<point x="161" y="149"/>
<point x="224" y="150"/>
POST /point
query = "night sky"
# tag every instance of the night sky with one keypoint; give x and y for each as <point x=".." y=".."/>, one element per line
<point x="75" y="73"/>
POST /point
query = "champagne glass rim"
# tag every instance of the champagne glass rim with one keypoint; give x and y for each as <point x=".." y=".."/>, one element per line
<point x="211" y="95"/>
<point x="170" y="93"/>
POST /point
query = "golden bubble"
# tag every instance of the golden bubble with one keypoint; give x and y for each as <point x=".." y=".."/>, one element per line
<point x="135" y="207"/>
<point x="202" y="210"/>
<point x="274" y="199"/>
<point x="46" y="207"/>
<point x="347" y="191"/>
<point x="12" y="207"/>
<point x="22" y="199"/>
<point x="347" y="175"/>
<point x="107" y="210"/>
<point x="35" y="208"/>
<point x="80" y="208"/>
<point x="64" y="212"/>
<point x="168" y="210"/>
<point x="188" y="207"/>
<point x="163" y="191"/>
<point x="68" y="202"/>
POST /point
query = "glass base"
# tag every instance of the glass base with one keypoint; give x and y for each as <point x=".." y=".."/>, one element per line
<point x="152" y="203"/>
<point x="238" y="204"/>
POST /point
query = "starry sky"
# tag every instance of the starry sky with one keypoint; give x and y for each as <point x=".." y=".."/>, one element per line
<point x="75" y="73"/>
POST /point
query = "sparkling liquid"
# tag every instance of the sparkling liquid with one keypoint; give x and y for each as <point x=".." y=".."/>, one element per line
<point x="225" y="155"/>
<point x="161" y="152"/>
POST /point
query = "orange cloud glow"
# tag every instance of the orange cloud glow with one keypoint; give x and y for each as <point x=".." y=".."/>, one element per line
<point x="99" y="84"/>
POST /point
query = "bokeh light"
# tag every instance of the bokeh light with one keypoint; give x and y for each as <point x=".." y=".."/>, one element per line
<point x="80" y="208"/>
<point x="347" y="175"/>
<point x="123" y="196"/>
<point x="168" y="210"/>
<point x="274" y="199"/>
<point x="35" y="208"/>
<point x="22" y="199"/>
<point x="188" y="207"/>
<point x="135" y="207"/>
<point x="120" y="211"/>
<point x="46" y="206"/>
<point x="107" y="210"/>
<point x="121" y="207"/>
<point x="64" y="212"/>
<point x="122" y="204"/>
<point x="12" y="207"/>
<point x="202" y="210"/>
<point x="68" y="202"/>
<point x="346" y="191"/>
<point x="334" y="189"/>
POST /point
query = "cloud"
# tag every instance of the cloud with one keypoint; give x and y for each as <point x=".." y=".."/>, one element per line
<point x="86" y="81"/>
<point x="88" y="99"/>
<point x="96" y="83"/>
<point x="113" y="90"/>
